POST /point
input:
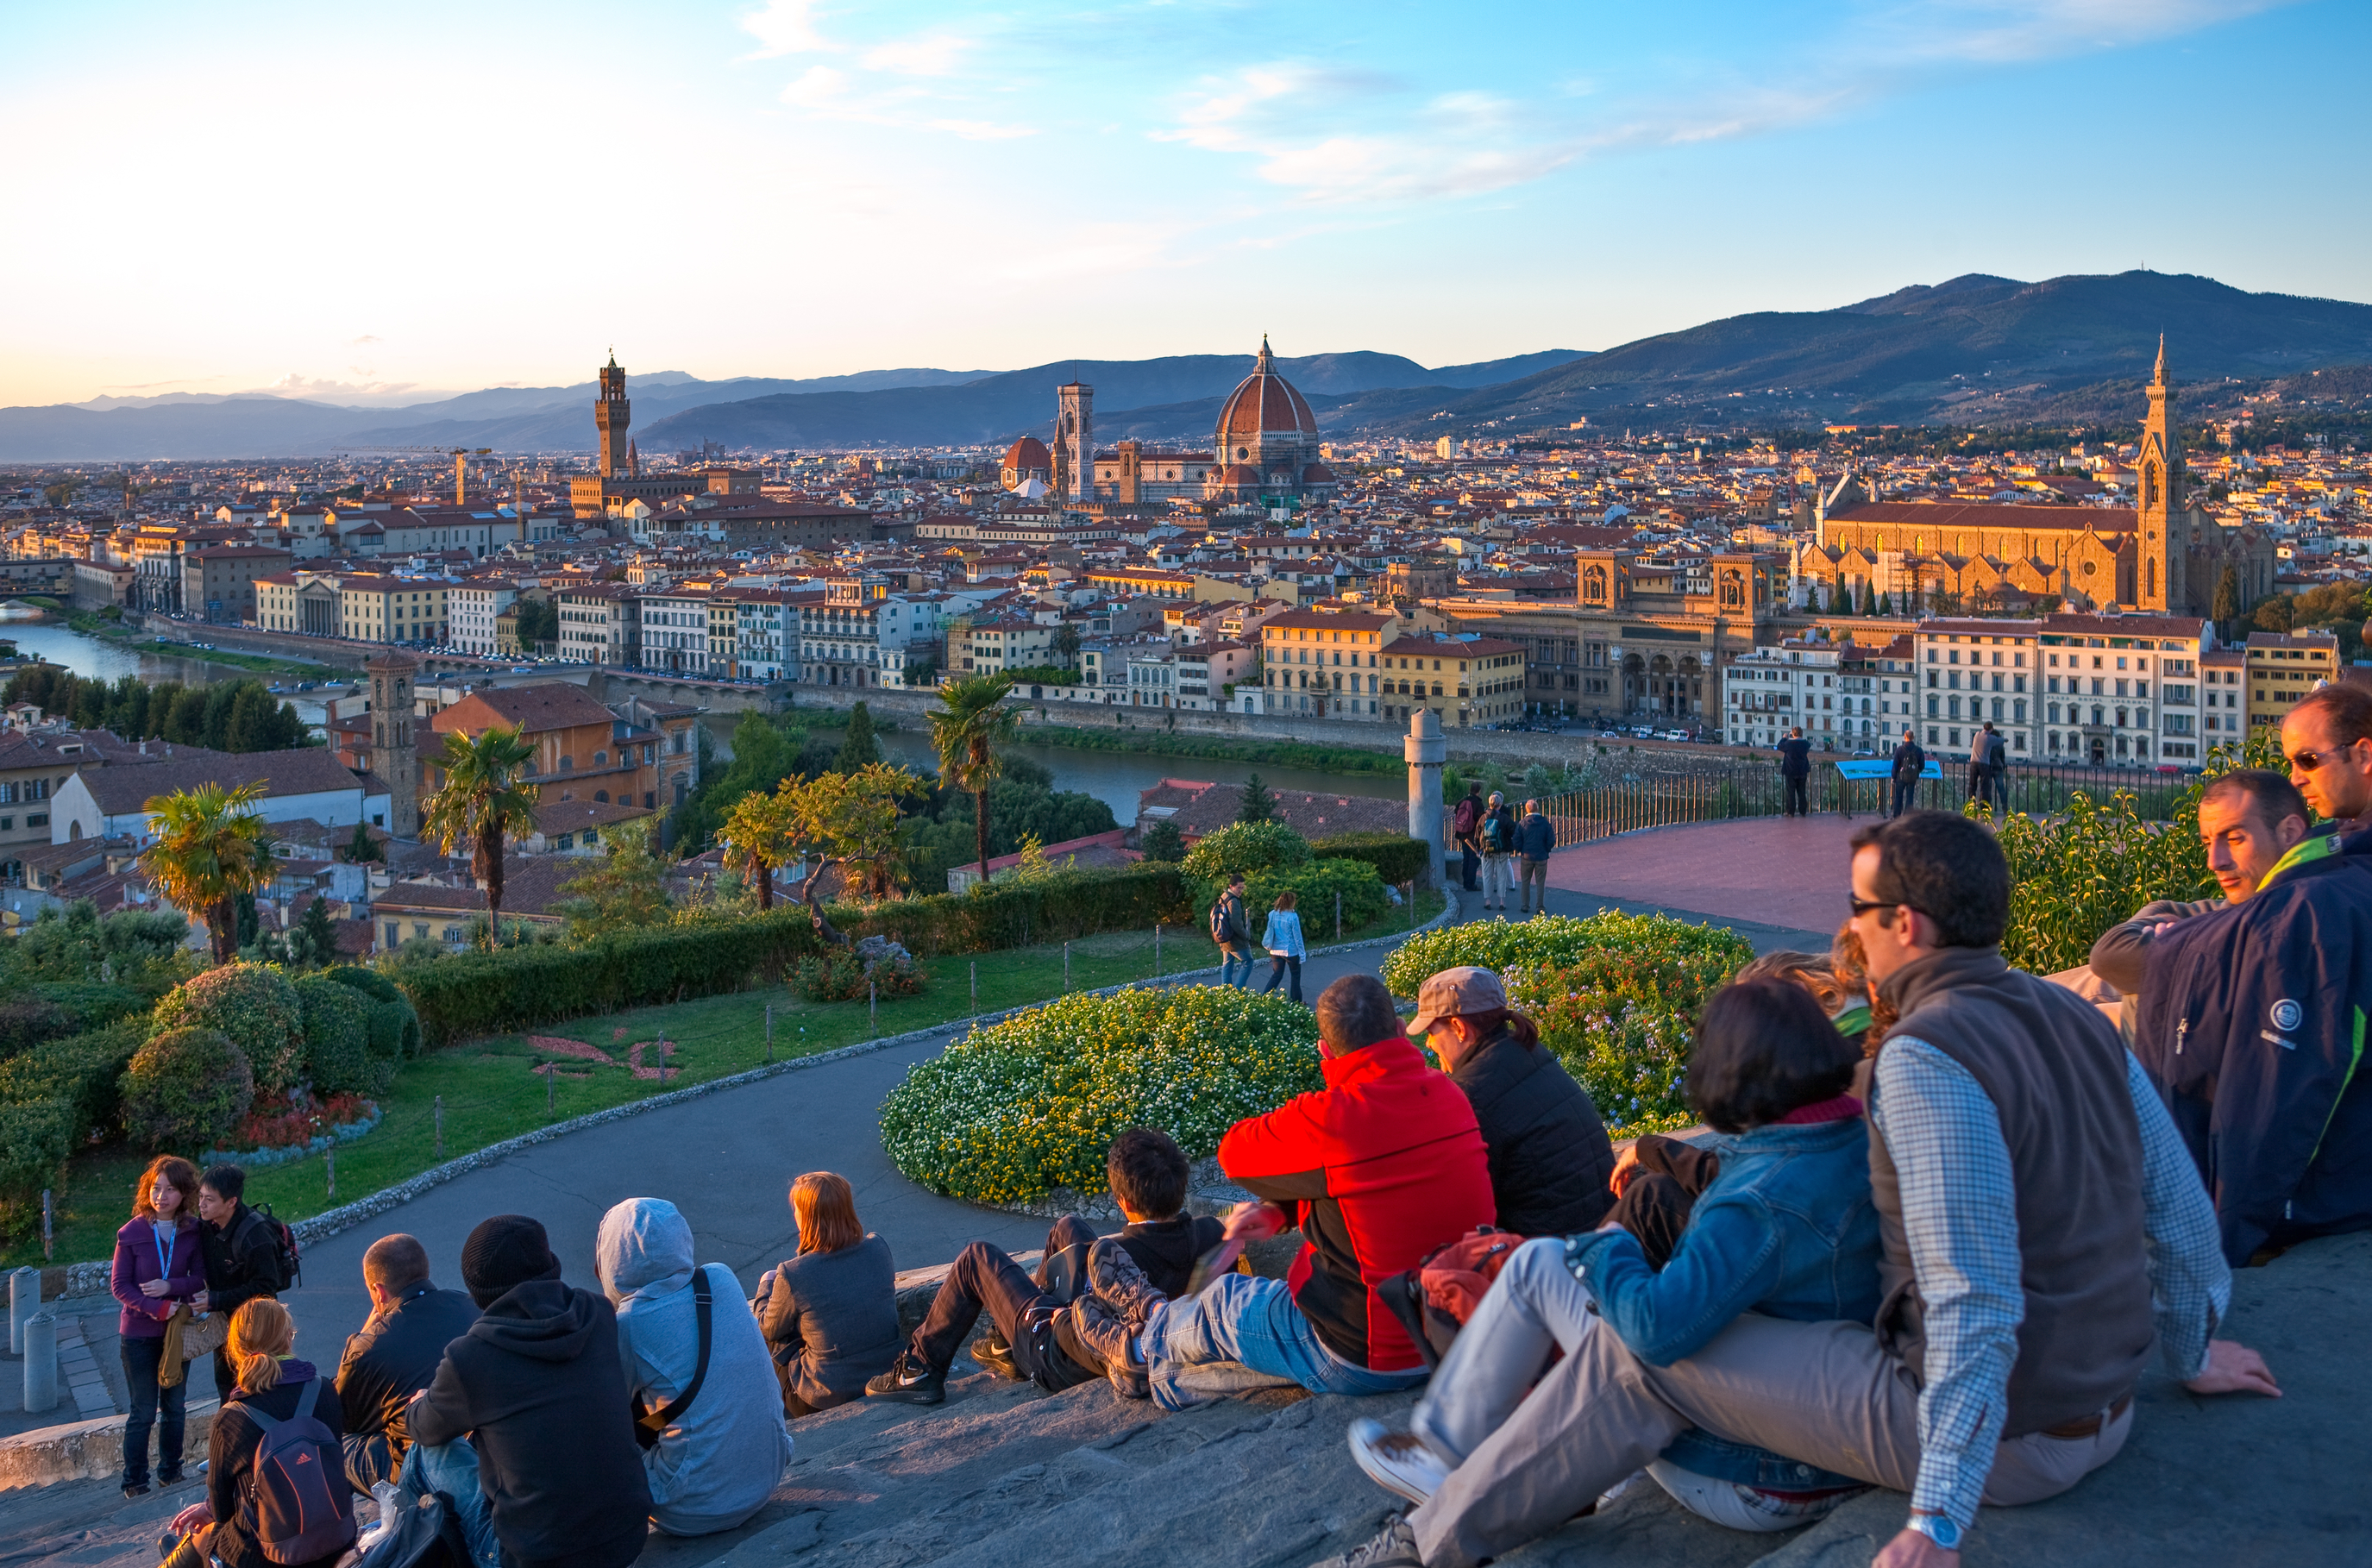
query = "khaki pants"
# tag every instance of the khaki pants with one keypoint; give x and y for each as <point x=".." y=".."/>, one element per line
<point x="1823" y="1393"/>
<point x="1534" y="884"/>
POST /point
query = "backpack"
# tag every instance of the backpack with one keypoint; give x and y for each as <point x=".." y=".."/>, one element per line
<point x="1434" y="1300"/>
<point x="304" y="1510"/>
<point x="286" y="1258"/>
<point x="1469" y="812"/>
<point x="1909" y="764"/>
<point x="1494" y="834"/>
<point x="1220" y="924"/>
<point x="429" y="1536"/>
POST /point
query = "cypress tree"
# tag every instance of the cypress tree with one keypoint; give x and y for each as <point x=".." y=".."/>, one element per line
<point x="860" y="749"/>
<point x="1259" y="805"/>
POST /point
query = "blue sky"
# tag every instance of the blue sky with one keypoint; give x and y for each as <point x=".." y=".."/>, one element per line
<point x="386" y="201"/>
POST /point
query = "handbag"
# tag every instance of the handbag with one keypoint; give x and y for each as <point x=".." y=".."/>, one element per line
<point x="650" y="1425"/>
<point x="189" y="1335"/>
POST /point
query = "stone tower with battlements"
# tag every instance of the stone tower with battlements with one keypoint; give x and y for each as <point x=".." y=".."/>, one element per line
<point x="611" y="414"/>
<point x="2165" y="515"/>
<point x="394" y="755"/>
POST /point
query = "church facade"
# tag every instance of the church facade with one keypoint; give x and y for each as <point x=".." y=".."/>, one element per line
<point x="2165" y="554"/>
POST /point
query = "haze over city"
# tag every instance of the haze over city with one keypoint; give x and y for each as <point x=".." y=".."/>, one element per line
<point x="369" y="208"/>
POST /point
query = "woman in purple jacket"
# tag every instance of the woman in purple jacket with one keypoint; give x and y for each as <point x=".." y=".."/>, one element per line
<point x="158" y="1265"/>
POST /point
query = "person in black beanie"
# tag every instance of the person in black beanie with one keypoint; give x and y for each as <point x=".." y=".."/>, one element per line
<point x="538" y="1385"/>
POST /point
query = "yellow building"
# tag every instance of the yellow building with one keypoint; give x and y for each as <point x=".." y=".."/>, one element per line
<point x="373" y="608"/>
<point x="2284" y="667"/>
<point x="1470" y="680"/>
<point x="1322" y="663"/>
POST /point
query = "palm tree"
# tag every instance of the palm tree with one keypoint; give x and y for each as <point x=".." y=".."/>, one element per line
<point x="762" y="829"/>
<point x="971" y="715"/>
<point x="484" y="798"/>
<point x="211" y="847"/>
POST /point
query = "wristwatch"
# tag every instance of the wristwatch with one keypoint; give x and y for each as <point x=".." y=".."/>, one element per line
<point x="1939" y="1528"/>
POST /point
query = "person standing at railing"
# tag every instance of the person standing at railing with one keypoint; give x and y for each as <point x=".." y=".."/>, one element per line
<point x="1466" y="829"/>
<point x="1535" y="839"/>
<point x="1909" y="763"/>
<point x="1498" y="835"/>
<point x="1796" y="771"/>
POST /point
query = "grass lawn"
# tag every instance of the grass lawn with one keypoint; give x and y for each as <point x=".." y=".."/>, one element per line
<point x="492" y="1089"/>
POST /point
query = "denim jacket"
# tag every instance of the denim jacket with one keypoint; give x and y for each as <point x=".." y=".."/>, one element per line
<point x="1788" y="1230"/>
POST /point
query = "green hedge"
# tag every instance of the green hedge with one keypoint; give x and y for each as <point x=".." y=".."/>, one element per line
<point x="465" y="995"/>
<point x="1616" y="997"/>
<point x="1033" y="1103"/>
<point x="1396" y="857"/>
<point x="1315" y="885"/>
<point x="52" y="1099"/>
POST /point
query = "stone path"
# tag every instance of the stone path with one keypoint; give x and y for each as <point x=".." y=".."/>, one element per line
<point x="1771" y="871"/>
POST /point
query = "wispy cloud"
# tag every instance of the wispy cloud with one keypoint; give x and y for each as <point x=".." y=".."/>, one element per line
<point x="786" y="27"/>
<point x="925" y="54"/>
<point x="982" y="129"/>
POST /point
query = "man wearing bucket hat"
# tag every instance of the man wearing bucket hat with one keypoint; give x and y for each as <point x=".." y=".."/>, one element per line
<point x="1550" y="1158"/>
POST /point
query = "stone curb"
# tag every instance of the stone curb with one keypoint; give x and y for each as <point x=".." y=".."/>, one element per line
<point x="84" y="1278"/>
<point x="91" y="1450"/>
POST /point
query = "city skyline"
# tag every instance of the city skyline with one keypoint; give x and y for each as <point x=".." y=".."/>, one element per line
<point x="367" y="214"/>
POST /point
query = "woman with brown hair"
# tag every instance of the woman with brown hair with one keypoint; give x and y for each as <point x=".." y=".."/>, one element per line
<point x="158" y="1266"/>
<point x="294" y="1513"/>
<point x="830" y="1312"/>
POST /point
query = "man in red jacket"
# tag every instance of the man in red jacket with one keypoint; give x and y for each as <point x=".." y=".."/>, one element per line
<point x="1377" y="1169"/>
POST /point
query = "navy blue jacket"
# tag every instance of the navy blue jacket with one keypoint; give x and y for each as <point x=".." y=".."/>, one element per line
<point x="2252" y="1022"/>
<point x="1535" y="837"/>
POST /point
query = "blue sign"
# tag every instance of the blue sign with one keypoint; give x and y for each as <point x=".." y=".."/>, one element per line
<point x="1882" y="768"/>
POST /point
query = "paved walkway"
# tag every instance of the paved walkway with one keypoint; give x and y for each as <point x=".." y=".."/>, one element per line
<point x="1790" y="872"/>
<point x="727" y="1159"/>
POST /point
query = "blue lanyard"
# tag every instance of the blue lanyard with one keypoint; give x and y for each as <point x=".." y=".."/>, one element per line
<point x="165" y="1251"/>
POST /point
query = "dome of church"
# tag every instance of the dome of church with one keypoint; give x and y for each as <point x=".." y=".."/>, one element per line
<point x="1262" y="403"/>
<point x="1029" y="455"/>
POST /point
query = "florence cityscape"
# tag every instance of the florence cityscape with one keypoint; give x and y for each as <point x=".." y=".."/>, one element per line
<point x="545" y="708"/>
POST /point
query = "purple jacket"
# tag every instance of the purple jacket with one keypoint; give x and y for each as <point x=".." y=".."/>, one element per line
<point x="136" y="1263"/>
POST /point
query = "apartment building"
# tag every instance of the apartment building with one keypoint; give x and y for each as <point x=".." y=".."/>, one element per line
<point x="2284" y="667"/>
<point x="1765" y="692"/>
<point x="1470" y="680"/>
<point x="1322" y="663"/>
<point x="375" y="609"/>
<point x="1974" y="672"/>
<point x="476" y="607"/>
<point x="675" y="628"/>
<point x="2223" y="698"/>
<point x="763" y="619"/>
<point x="599" y="623"/>
<point x="633" y="754"/>
<point x="218" y="581"/>
<point x="2122" y="689"/>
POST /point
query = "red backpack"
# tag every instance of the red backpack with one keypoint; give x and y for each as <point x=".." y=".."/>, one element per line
<point x="303" y="1509"/>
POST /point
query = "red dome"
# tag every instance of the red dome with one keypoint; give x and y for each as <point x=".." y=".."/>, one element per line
<point x="1239" y="475"/>
<point x="1027" y="454"/>
<point x="1263" y="403"/>
<point x="1318" y="474"/>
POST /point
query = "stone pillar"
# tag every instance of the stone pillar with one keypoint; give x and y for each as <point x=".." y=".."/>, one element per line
<point x="24" y="1300"/>
<point x="1425" y="749"/>
<point x="42" y="1362"/>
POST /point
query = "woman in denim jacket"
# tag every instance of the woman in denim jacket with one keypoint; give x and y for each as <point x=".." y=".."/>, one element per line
<point x="1783" y="1225"/>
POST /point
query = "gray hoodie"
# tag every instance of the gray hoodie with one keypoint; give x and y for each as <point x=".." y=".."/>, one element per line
<point x="717" y="1465"/>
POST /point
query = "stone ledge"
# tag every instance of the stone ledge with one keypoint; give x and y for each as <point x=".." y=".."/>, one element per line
<point x="90" y="1450"/>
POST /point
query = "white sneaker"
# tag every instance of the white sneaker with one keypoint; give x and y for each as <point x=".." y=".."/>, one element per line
<point x="1400" y="1462"/>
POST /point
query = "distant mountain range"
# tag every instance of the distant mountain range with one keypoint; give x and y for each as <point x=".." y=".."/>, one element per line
<point x="1977" y="351"/>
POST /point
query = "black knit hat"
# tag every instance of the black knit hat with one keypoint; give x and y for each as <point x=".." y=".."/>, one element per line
<point x="506" y="1251"/>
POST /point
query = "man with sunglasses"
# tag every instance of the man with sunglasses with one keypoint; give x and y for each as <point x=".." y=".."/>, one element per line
<point x="2251" y="1019"/>
<point x="2327" y="737"/>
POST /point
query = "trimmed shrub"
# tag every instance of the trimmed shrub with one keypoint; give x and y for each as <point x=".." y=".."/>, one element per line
<point x="1246" y="847"/>
<point x="187" y="1089"/>
<point x="256" y="1006"/>
<point x="1616" y="997"/>
<point x="841" y="977"/>
<point x="1033" y="1103"/>
<point x="1396" y="857"/>
<point x="338" y="1056"/>
<point x="36" y="1138"/>
<point x="79" y="1071"/>
<point x="1315" y="885"/>
<point x="395" y="1034"/>
<point x="27" y="1021"/>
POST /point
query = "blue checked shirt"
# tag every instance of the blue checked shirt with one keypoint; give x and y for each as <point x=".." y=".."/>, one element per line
<point x="1960" y="1212"/>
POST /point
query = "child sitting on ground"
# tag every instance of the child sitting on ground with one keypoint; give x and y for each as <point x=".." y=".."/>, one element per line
<point x="1785" y="1227"/>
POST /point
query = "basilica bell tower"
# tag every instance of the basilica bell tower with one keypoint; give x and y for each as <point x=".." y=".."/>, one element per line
<point x="2160" y="575"/>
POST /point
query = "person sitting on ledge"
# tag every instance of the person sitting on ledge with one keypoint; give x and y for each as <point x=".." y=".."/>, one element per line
<point x="394" y="1356"/>
<point x="830" y="1312"/>
<point x="1148" y="1174"/>
<point x="2043" y="1232"/>
<point x="1773" y="1215"/>
<point x="1549" y="1154"/>
<point x="1377" y="1169"/>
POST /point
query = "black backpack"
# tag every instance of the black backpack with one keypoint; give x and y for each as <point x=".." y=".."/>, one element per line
<point x="287" y="1262"/>
<point x="1909" y="763"/>
<point x="426" y="1537"/>
<point x="303" y="1509"/>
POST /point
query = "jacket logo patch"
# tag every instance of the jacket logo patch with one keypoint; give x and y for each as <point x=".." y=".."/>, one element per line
<point x="2287" y="1015"/>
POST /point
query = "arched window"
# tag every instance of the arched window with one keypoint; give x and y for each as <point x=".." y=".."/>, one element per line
<point x="602" y="795"/>
<point x="567" y="764"/>
<point x="600" y="759"/>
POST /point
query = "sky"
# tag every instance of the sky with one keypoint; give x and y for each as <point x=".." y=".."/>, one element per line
<point x="376" y="205"/>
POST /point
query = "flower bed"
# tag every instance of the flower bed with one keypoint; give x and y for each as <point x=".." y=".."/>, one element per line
<point x="1615" y="995"/>
<point x="282" y="1127"/>
<point x="1030" y="1104"/>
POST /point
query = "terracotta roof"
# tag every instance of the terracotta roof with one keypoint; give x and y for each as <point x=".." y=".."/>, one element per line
<point x="1029" y="453"/>
<point x="123" y="789"/>
<point x="544" y="706"/>
<point x="1263" y="402"/>
<point x="1943" y="515"/>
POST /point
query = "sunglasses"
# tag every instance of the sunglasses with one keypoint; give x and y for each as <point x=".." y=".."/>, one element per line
<point x="1863" y="906"/>
<point x="2307" y="762"/>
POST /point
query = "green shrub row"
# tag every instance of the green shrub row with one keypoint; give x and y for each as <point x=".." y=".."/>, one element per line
<point x="1616" y="997"/>
<point x="1396" y="857"/>
<point x="1033" y="1103"/>
<point x="52" y="1098"/>
<point x="461" y="996"/>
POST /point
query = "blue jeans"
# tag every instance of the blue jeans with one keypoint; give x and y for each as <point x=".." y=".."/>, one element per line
<point x="142" y="1358"/>
<point x="1235" y="967"/>
<point x="452" y="1468"/>
<point x="1244" y="1333"/>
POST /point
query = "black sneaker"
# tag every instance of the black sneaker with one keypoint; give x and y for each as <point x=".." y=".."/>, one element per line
<point x="991" y="1354"/>
<point x="909" y="1384"/>
<point x="175" y="1479"/>
<point x="136" y="1489"/>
